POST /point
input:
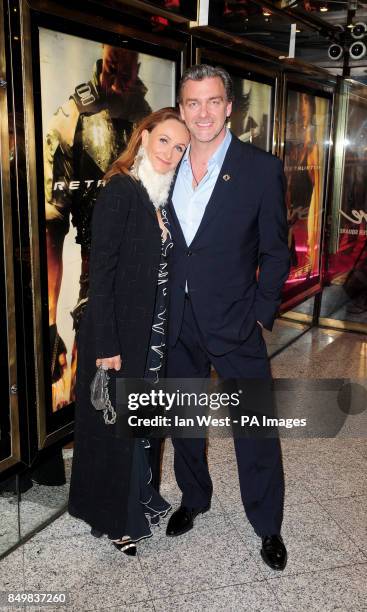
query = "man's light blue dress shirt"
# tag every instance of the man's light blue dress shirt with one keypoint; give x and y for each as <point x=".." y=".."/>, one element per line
<point x="190" y="203"/>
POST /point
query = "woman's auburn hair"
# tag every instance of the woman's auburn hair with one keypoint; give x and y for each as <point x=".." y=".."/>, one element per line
<point x="124" y="163"/>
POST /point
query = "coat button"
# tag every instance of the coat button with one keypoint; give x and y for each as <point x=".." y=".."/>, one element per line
<point x="189" y="253"/>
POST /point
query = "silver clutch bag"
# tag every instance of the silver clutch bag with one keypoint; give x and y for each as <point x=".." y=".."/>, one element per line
<point x="99" y="395"/>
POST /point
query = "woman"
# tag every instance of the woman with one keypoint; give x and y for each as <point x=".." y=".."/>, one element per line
<point x="122" y="330"/>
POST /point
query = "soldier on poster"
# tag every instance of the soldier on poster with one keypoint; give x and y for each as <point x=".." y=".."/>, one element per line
<point x="83" y="138"/>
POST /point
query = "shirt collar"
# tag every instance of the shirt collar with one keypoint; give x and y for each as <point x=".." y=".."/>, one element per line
<point x="218" y="156"/>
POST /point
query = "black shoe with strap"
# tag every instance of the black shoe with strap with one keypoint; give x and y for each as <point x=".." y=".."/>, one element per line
<point x="126" y="546"/>
<point x="182" y="520"/>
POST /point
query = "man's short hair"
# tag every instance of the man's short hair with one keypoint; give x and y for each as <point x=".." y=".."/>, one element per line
<point x="199" y="72"/>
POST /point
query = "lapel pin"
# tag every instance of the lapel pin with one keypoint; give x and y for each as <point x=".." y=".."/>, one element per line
<point x="226" y="177"/>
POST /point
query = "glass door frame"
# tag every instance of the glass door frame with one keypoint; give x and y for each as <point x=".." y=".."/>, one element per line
<point x="7" y="255"/>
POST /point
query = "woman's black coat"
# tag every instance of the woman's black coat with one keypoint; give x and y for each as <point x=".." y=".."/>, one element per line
<point x="124" y="263"/>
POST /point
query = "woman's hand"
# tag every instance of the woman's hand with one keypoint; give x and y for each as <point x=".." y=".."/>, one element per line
<point x="112" y="363"/>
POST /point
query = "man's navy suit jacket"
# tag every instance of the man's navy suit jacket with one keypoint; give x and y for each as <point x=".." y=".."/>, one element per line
<point x="244" y="229"/>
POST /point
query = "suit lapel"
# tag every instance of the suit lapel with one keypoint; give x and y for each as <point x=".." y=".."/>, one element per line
<point x="178" y="230"/>
<point x="232" y="165"/>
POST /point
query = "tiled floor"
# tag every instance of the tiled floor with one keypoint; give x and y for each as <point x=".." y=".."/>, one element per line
<point x="217" y="565"/>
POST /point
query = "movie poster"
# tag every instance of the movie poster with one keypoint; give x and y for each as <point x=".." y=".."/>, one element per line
<point x="92" y="96"/>
<point x="251" y="118"/>
<point x="347" y="262"/>
<point x="306" y="145"/>
<point x="353" y="209"/>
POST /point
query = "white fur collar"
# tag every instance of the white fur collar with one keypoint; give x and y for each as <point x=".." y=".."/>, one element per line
<point x="156" y="184"/>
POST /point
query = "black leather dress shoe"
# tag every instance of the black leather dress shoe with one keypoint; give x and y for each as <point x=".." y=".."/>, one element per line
<point x="182" y="520"/>
<point x="273" y="552"/>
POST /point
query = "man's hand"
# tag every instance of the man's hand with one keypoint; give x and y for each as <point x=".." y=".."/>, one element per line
<point x="111" y="363"/>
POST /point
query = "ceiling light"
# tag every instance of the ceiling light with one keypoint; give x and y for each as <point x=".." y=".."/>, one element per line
<point x="335" y="52"/>
<point x="266" y="13"/>
<point x="357" y="50"/>
<point x="359" y="30"/>
<point x="324" y="9"/>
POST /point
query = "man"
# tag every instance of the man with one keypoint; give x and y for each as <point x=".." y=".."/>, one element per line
<point x="228" y="219"/>
<point x="84" y="137"/>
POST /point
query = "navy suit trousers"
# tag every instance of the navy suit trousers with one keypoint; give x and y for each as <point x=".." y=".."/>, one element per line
<point x="259" y="461"/>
